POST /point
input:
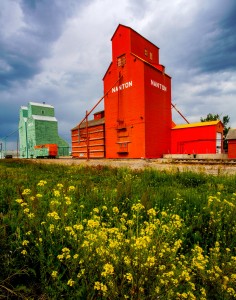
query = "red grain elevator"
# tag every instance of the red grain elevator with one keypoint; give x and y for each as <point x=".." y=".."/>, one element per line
<point x="138" y="107"/>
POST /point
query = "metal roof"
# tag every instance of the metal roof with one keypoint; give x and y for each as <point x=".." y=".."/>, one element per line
<point x="198" y="124"/>
<point x="40" y="104"/>
<point x="90" y="123"/>
<point x="44" y="118"/>
<point x="231" y="134"/>
<point x="131" y="29"/>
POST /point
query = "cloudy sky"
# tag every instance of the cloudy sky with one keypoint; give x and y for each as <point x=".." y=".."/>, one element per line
<point x="57" y="51"/>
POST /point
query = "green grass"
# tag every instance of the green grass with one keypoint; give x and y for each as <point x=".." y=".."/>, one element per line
<point x="111" y="233"/>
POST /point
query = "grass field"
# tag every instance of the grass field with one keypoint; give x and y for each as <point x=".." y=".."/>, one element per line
<point x="74" y="232"/>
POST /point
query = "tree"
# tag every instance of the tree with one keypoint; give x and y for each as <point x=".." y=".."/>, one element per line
<point x="225" y="121"/>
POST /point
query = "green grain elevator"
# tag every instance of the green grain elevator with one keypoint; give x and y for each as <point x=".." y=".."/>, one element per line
<point x="38" y="126"/>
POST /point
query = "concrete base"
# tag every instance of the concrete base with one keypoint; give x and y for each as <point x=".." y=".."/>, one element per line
<point x="196" y="156"/>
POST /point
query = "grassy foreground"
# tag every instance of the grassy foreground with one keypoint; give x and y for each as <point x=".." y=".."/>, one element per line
<point x="74" y="232"/>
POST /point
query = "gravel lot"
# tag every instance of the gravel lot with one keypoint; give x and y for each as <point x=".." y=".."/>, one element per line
<point x="212" y="167"/>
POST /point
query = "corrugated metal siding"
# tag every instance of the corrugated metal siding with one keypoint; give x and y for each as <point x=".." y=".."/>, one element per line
<point x="157" y="113"/>
<point x="195" y="140"/>
<point x="94" y="143"/>
<point x="124" y="107"/>
<point x="232" y="149"/>
<point x="144" y="48"/>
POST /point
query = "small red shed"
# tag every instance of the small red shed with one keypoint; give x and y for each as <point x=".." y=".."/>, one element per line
<point x="231" y="138"/>
<point x="197" y="138"/>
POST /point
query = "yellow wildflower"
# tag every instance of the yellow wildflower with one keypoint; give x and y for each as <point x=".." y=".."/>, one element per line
<point x="70" y="282"/>
<point x="54" y="274"/>
<point x="115" y="210"/>
<point x="108" y="270"/>
<point x="25" y="242"/>
<point x="19" y="201"/>
<point x="65" y="250"/>
<point x="71" y="188"/>
<point x="137" y="207"/>
<point x="68" y="200"/>
<point x="51" y="228"/>
<point x="78" y="226"/>
<point x="42" y="183"/>
<point x="96" y="210"/>
<point x="26" y="192"/>
<point x="92" y="223"/>
<point x="152" y="212"/>
<point x="129" y="277"/>
<point x="56" y="193"/>
<point x="60" y="257"/>
<point x="54" y="215"/>
<point x="31" y="215"/>
<point x="100" y="286"/>
<point x="164" y="214"/>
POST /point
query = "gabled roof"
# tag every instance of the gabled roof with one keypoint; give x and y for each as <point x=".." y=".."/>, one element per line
<point x="91" y="123"/>
<point x="231" y="134"/>
<point x="198" y="124"/>
<point x="40" y="104"/>
<point x="120" y="25"/>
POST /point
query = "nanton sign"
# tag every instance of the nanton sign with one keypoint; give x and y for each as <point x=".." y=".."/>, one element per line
<point x="129" y="84"/>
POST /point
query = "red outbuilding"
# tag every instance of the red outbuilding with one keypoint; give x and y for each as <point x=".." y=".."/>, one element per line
<point x="197" y="138"/>
<point x="231" y="138"/>
<point x="88" y="138"/>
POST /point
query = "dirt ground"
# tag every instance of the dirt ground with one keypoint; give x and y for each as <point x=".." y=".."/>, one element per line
<point x="214" y="168"/>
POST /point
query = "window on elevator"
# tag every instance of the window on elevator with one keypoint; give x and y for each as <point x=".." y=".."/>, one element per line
<point x="121" y="60"/>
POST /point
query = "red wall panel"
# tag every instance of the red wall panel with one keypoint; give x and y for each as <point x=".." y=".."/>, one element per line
<point x="143" y="48"/>
<point x="96" y="143"/>
<point x="120" y="42"/>
<point x="124" y="107"/>
<point x="195" y="140"/>
<point x="232" y="149"/>
<point x="157" y="112"/>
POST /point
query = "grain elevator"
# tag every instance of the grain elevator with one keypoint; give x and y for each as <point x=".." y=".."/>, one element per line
<point x="39" y="126"/>
<point x="137" y="119"/>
